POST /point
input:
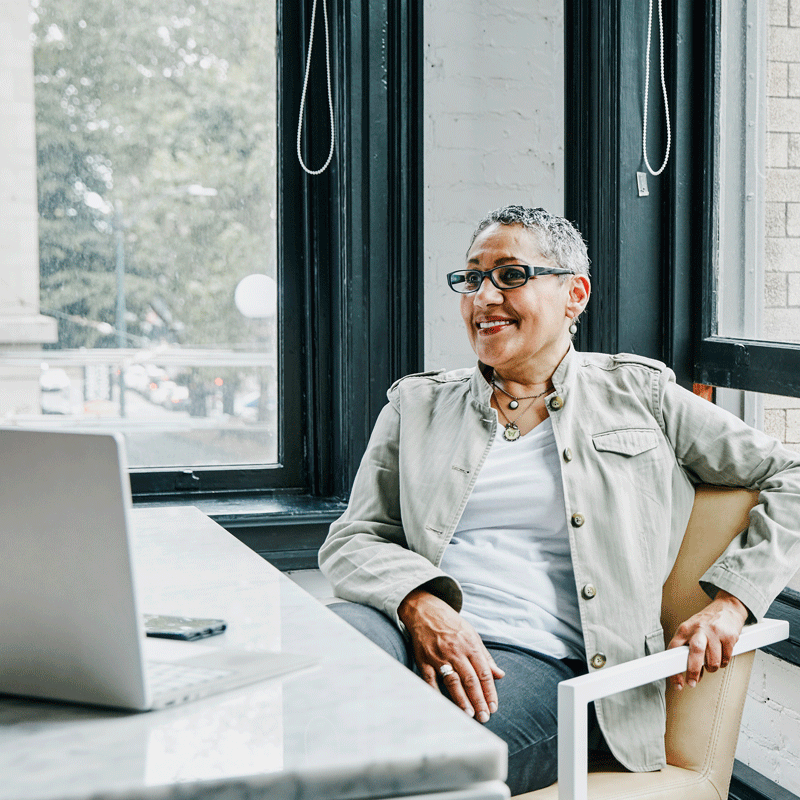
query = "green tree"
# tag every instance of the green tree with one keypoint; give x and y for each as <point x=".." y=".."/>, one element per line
<point x="165" y="110"/>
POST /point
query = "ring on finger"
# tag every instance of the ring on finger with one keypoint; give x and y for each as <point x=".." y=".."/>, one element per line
<point x="446" y="669"/>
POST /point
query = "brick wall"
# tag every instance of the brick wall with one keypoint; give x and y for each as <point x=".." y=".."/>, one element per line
<point x="782" y="209"/>
<point x="769" y="740"/>
<point x="494" y="135"/>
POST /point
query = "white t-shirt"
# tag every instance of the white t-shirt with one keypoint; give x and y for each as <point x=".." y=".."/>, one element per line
<point x="510" y="551"/>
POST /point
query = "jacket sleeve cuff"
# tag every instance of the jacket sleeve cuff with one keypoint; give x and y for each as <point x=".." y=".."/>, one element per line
<point x="717" y="577"/>
<point x="437" y="583"/>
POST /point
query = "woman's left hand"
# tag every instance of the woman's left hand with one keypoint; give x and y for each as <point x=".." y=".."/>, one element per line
<point x="711" y="635"/>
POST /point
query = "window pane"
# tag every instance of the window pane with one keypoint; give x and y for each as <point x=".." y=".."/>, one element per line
<point x="156" y="154"/>
<point x="759" y="180"/>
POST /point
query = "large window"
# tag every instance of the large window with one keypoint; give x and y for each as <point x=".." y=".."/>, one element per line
<point x="156" y="167"/>
<point x="167" y="268"/>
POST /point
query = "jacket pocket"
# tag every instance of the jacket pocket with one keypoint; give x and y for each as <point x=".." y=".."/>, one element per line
<point x="654" y="642"/>
<point x="626" y="441"/>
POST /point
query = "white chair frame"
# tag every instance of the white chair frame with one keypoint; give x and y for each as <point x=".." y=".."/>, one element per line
<point x="574" y="696"/>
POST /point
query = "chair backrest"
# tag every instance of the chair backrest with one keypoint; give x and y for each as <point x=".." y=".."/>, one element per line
<point x="703" y="723"/>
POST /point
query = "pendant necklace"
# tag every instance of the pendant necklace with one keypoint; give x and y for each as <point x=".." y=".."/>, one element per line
<point x="515" y="400"/>
<point x="511" y="432"/>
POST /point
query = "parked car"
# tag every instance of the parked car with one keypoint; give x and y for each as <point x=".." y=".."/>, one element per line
<point x="55" y="391"/>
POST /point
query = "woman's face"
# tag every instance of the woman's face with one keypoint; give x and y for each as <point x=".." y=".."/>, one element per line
<point x="531" y="330"/>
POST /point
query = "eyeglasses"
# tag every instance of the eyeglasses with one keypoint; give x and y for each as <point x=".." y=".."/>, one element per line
<point x="508" y="276"/>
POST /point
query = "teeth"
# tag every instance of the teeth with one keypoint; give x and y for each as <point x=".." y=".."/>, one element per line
<point x="483" y="325"/>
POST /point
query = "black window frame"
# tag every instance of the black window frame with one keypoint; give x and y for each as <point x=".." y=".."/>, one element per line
<point x="754" y="365"/>
<point x="350" y="258"/>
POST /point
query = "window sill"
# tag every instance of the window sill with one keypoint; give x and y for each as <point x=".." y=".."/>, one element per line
<point x="287" y="530"/>
<point x="747" y="784"/>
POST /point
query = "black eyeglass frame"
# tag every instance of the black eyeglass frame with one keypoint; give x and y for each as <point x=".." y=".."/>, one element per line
<point x="530" y="272"/>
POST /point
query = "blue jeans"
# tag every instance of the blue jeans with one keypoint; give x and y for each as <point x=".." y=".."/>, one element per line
<point x="526" y="718"/>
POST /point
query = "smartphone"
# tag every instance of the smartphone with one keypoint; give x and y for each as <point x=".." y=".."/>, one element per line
<point x="185" y="628"/>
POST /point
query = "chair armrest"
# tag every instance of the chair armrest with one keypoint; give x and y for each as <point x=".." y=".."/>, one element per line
<point x="575" y="694"/>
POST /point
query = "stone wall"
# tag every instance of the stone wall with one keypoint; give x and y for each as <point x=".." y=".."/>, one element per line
<point x="21" y="325"/>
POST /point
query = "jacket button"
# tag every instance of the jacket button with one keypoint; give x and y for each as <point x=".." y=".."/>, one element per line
<point x="588" y="591"/>
<point x="556" y="403"/>
<point x="567" y="454"/>
<point x="598" y="660"/>
<point x="577" y="520"/>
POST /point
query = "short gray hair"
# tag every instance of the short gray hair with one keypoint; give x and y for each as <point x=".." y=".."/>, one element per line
<point x="558" y="239"/>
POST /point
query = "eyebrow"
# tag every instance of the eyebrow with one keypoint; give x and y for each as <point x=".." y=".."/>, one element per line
<point x="512" y="259"/>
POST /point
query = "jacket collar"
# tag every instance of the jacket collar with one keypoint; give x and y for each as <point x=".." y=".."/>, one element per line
<point x="566" y="371"/>
<point x="481" y="389"/>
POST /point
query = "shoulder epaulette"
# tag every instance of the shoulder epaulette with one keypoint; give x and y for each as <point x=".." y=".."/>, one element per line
<point x="643" y="361"/>
<point x="430" y="374"/>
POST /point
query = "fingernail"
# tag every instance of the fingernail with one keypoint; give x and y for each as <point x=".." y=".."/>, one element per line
<point x="692" y="682"/>
<point x="470" y="711"/>
<point x="492" y="707"/>
<point x="679" y="686"/>
<point x="483" y="717"/>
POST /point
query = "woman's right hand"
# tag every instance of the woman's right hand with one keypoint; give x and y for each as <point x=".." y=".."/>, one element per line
<point x="440" y="635"/>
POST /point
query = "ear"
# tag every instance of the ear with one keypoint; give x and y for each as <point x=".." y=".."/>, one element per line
<point x="579" y="291"/>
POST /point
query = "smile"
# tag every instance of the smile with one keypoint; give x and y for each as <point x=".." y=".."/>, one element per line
<point x="497" y="323"/>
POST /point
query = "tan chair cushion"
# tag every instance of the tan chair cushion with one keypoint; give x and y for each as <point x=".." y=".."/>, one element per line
<point x="672" y="783"/>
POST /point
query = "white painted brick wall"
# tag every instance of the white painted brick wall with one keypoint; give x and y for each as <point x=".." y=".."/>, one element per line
<point x="777" y="79"/>
<point x="769" y="741"/>
<point x="794" y="148"/>
<point x="782" y="184"/>
<point x="494" y="135"/>
<point x="793" y="219"/>
<point x="778" y="149"/>
<point x="794" y="80"/>
<point x="785" y="42"/>
<point x="779" y="12"/>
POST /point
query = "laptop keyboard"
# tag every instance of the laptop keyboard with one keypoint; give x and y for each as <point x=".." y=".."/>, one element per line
<point x="165" y="677"/>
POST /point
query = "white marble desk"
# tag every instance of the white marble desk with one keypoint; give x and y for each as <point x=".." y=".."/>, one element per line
<point x="358" y="725"/>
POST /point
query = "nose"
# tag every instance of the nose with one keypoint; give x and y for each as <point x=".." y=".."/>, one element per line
<point x="488" y="294"/>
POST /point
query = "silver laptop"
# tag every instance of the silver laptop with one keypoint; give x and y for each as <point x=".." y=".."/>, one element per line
<point x="70" y="626"/>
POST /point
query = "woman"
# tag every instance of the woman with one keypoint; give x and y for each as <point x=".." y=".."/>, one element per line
<point x="512" y="525"/>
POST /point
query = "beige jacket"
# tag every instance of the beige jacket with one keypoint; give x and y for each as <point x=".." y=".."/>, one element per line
<point x="633" y="444"/>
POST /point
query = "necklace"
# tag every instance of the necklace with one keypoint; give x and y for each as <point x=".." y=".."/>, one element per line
<point x="511" y="432"/>
<point x="515" y="400"/>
